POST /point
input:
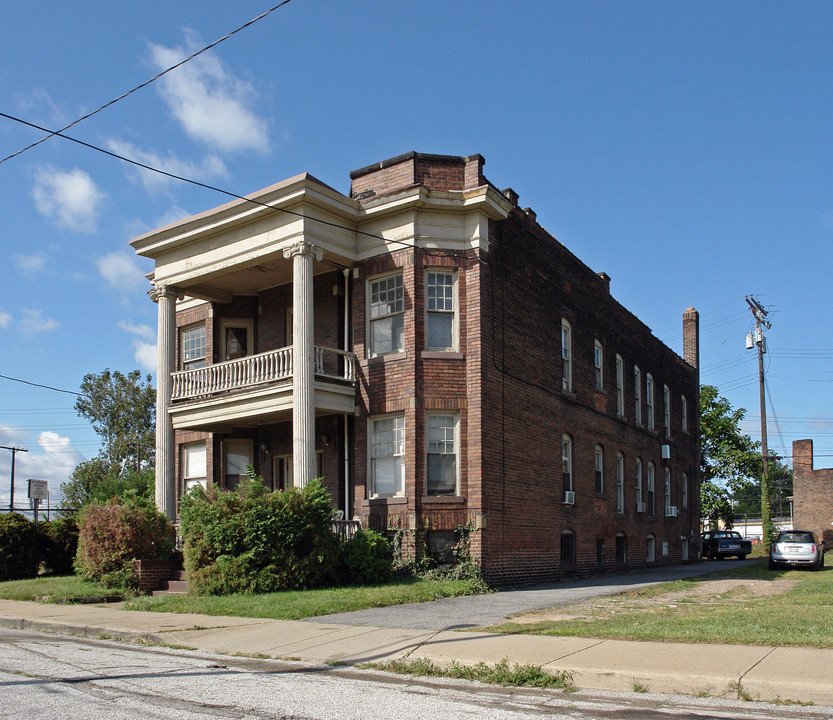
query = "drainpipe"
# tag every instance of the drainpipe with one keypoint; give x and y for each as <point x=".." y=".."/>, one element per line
<point x="346" y="272"/>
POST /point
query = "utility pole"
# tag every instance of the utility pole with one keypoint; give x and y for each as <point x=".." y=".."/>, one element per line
<point x="760" y="342"/>
<point x="14" y="450"/>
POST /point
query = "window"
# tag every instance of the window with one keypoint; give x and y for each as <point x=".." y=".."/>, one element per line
<point x="236" y="338"/>
<point x="387" y="315"/>
<point x="387" y="456"/>
<point x="651" y="477"/>
<point x="666" y="410"/>
<point x="442" y="454"/>
<point x="599" y="463"/>
<point x="621" y="549"/>
<point x="620" y="386"/>
<point x="598" y="364"/>
<point x="639" y="501"/>
<point x="637" y="394"/>
<point x="568" y="549"/>
<point x="620" y="483"/>
<point x="685" y="491"/>
<point x="567" y="463"/>
<point x="684" y="413"/>
<point x="192" y="347"/>
<point x="193" y="466"/>
<point x="566" y="355"/>
<point x="237" y="456"/>
<point x="283" y="467"/>
<point x="439" y="311"/>
<point x="668" y="502"/>
<point x="649" y="399"/>
<point x="650" y="549"/>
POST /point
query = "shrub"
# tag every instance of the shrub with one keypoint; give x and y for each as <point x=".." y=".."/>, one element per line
<point x="366" y="558"/>
<point x="58" y="545"/>
<point x="254" y="541"/>
<point x="112" y="535"/>
<point x="18" y="548"/>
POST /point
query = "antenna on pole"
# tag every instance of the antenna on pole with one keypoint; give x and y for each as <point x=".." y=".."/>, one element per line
<point x="759" y="341"/>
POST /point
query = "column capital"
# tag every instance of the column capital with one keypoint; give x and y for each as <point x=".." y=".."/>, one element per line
<point x="166" y="291"/>
<point x="303" y="247"/>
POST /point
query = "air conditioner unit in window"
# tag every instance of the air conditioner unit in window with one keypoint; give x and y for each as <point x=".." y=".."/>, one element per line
<point x="640" y="507"/>
<point x="666" y="452"/>
<point x="569" y="497"/>
<point x="671" y="511"/>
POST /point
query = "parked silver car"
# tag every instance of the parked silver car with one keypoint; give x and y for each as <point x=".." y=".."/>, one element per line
<point x="796" y="548"/>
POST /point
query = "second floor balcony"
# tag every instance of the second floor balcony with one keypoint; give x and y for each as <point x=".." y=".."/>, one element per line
<point x="258" y="389"/>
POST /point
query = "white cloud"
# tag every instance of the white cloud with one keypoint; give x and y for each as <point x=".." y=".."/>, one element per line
<point x="29" y="264"/>
<point x="70" y="198"/>
<point x="144" y="344"/>
<point x="121" y="271"/>
<point x="210" y="167"/>
<point x="212" y="104"/>
<point x="5" y="319"/>
<point x="34" y="322"/>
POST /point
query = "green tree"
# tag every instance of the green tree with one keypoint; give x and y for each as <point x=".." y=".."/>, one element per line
<point x="729" y="460"/>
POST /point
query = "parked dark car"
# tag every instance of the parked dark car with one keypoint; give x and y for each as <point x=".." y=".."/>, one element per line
<point x="724" y="543"/>
<point x="796" y="548"/>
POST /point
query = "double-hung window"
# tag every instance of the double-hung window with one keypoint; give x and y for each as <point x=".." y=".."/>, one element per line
<point x="387" y="456"/>
<point x="598" y="364"/>
<point x="620" y="385"/>
<point x="637" y="395"/>
<point x="440" y="331"/>
<point x="668" y="502"/>
<point x="193" y="346"/>
<point x="666" y="410"/>
<point x="387" y="315"/>
<point x="566" y="355"/>
<point x="638" y="478"/>
<point x="567" y="463"/>
<point x="685" y="491"/>
<point x="684" y="413"/>
<point x="651" y="480"/>
<point x="649" y="399"/>
<point x="442" y="454"/>
<point x="193" y="466"/>
<point x="599" y="459"/>
<point x="620" y="483"/>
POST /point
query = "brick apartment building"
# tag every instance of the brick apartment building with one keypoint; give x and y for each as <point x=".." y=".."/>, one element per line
<point x="812" y="493"/>
<point x="438" y="357"/>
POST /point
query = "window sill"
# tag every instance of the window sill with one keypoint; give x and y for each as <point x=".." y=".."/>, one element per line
<point x="443" y="499"/>
<point x="394" y="500"/>
<point x="388" y="357"/>
<point x="442" y="355"/>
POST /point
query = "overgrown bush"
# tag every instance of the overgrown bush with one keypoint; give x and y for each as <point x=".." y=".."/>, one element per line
<point x="254" y="541"/>
<point x="58" y="545"/>
<point x="18" y="548"/>
<point x="366" y="558"/>
<point x="114" y="534"/>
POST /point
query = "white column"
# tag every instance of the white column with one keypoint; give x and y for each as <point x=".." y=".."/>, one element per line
<point x="165" y="298"/>
<point x="303" y="361"/>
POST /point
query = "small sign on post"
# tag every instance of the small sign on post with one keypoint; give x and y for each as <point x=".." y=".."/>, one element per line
<point x="38" y="490"/>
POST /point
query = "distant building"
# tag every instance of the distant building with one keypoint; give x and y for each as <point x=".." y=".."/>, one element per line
<point x="439" y="358"/>
<point x="812" y="493"/>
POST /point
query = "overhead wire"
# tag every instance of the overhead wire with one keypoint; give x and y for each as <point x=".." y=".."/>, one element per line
<point x="53" y="133"/>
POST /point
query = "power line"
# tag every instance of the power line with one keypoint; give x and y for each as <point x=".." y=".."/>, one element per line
<point x="48" y="387"/>
<point x="53" y="133"/>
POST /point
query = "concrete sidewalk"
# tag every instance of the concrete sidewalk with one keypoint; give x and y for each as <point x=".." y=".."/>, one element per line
<point x="765" y="673"/>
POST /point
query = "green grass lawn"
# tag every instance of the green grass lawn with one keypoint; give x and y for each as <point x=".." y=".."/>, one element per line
<point x="280" y="606"/>
<point x="802" y="615"/>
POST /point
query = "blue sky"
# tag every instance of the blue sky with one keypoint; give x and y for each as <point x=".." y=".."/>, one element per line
<point x="683" y="148"/>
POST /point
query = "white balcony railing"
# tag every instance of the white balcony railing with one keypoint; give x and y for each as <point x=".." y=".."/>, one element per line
<point x="260" y="369"/>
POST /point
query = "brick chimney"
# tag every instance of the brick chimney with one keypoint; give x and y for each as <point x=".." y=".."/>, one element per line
<point x="691" y="337"/>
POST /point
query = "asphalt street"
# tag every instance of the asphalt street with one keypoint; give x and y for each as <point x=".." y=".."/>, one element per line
<point x="495" y="608"/>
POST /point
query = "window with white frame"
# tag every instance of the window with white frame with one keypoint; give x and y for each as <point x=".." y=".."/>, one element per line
<point x="599" y="461"/>
<point x="685" y="491"/>
<point x="666" y="410"/>
<point x="237" y="457"/>
<point x="637" y="394"/>
<point x="387" y="456"/>
<point x="651" y="488"/>
<point x="598" y="364"/>
<point x="192" y="346"/>
<point x="649" y="399"/>
<point x="441" y="477"/>
<point x="193" y="466"/>
<point x="620" y="483"/>
<point x="567" y="463"/>
<point x="650" y="549"/>
<point x="684" y="413"/>
<point x="387" y="315"/>
<point x="440" y="291"/>
<point x="620" y="385"/>
<point x="566" y="355"/>
<point x="638" y="483"/>
<point x="668" y="502"/>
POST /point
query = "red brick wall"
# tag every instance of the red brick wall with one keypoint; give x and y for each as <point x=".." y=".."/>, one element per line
<point x="812" y="493"/>
<point x="152" y="573"/>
